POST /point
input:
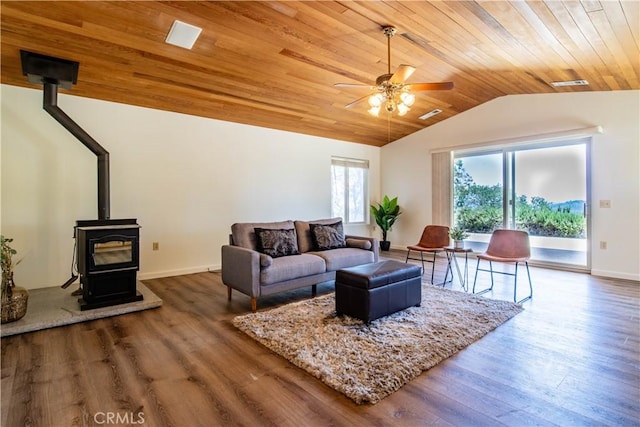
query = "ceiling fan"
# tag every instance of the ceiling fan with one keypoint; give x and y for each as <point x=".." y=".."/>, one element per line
<point x="390" y="91"/>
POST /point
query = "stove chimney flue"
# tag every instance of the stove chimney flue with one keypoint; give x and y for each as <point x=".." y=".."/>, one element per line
<point x="53" y="72"/>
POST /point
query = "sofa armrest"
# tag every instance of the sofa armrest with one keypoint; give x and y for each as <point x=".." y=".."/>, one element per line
<point x="241" y="269"/>
<point x="375" y="245"/>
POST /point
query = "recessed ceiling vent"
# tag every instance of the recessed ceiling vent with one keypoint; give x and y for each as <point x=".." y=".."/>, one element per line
<point x="570" y="83"/>
<point x="183" y="35"/>
<point x="430" y="114"/>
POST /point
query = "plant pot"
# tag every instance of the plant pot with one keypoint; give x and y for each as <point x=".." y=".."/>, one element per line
<point x="16" y="307"/>
<point x="458" y="244"/>
<point x="385" y="245"/>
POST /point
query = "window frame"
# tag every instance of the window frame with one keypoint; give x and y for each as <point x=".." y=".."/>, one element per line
<point x="508" y="152"/>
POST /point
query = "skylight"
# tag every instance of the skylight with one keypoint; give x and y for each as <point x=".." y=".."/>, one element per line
<point x="182" y="34"/>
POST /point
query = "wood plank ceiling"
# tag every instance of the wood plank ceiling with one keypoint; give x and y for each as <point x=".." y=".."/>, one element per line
<point x="274" y="63"/>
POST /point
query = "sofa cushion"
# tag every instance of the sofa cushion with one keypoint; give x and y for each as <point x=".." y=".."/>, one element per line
<point x="243" y="233"/>
<point x="324" y="237"/>
<point x="276" y="242"/>
<point x="336" y="259"/>
<point x="305" y="244"/>
<point x="291" y="267"/>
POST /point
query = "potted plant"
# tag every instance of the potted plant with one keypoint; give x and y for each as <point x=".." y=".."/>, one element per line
<point x="386" y="214"/>
<point x="13" y="300"/>
<point x="458" y="235"/>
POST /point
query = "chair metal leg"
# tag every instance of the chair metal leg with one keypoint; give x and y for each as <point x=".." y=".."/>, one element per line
<point x="515" y="283"/>
<point x="491" y="270"/>
<point x="526" y="263"/>
<point x="433" y="266"/>
<point x="407" y="259"/>
<point x="421" y="259"/>
<point x="473" y="291"/>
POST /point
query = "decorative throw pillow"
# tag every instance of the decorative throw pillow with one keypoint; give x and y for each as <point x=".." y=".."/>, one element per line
<point x="327" y="236"/>
<point x="277" y="243"/>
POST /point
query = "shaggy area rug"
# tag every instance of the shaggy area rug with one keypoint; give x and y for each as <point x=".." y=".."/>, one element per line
<point x="367" y="363"/>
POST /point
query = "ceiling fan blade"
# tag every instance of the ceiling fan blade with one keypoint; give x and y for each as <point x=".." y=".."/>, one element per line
<point x="403" y="72"/>
<point x="357" y="101"/>
<point x="353" y="85"/>
<point x="429" y="86"/>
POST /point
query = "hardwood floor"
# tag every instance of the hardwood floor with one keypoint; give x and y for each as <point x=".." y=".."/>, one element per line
<point x="571" y="358"/>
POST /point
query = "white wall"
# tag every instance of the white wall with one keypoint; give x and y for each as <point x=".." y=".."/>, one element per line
<point x="186" y="179"/>
<point x="406" y="164"/>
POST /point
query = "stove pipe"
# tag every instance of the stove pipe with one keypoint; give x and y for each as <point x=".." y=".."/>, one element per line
<point x="53" y="72"/>
<point x="50" y="105"/>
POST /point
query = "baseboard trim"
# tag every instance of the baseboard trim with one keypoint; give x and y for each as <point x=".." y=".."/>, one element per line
<point x="615" y="275"/>
<point x="178" y="272"/>
<point x="205" y="268"/>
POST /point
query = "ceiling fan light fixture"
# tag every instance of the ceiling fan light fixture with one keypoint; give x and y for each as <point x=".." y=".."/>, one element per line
<point x="390" y="91"/>
<point x="374" y="111"/>
<point x="407" y="98"/>
<point x="402" y="109"/>
<point x="390" y="106"/>
<point x="375" y="100"/>
<point x="392" y="102"/>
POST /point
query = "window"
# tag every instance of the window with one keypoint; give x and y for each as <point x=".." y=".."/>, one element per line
<point x="539" y="188"/>
<point x="543" y="181"/>
<point x="349" y="184"/>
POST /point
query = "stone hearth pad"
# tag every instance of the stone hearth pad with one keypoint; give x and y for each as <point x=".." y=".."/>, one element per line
<point x="52" y="307"/>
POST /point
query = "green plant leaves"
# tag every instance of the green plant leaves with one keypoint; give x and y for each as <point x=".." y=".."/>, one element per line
<point x="386" y="214"/>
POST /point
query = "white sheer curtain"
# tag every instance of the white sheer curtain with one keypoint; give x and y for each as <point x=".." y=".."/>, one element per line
<point x="441" y="187"/>
<point x="349" y="184"/>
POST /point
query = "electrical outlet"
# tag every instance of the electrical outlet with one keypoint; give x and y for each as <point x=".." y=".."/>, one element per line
<point x="156" y="246"/>
<point x="605" y="204"/>
<point x="603" y="245"/>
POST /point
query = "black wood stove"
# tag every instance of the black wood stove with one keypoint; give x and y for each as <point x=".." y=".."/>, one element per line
<point x="108" y="261"/>
<point x="107" y="249"/>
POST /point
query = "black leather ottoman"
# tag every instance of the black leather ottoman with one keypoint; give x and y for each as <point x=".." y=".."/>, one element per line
<point x="371" y="291"/>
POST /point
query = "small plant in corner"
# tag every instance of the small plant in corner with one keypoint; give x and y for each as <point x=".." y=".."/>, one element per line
<point x="386" y="214"/>
<point x="13" y="303"/>
<point x="7" y="268"/>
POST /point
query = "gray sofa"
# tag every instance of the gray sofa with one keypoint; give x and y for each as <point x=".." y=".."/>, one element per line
<point x="270" y="257"/>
